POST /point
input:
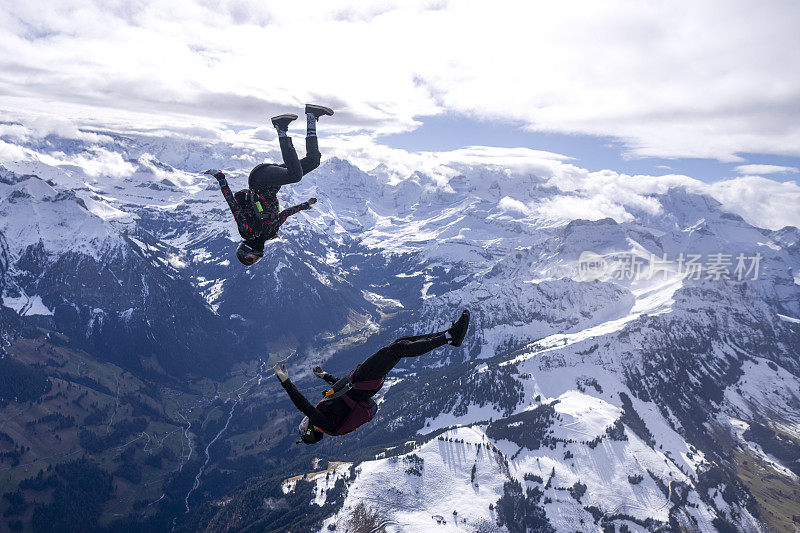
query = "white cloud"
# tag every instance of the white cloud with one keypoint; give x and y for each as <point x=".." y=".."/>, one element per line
<point x="14" y="132"/>
<point x="671" y="79"/>
<point x="98" y="162"/>
<point x="765" y="169"/>
<point x="564" y="208"/>
<point x="580" y="193"/>
<point x="761" y="201"/>
<point x="12" y="152"/>
<point x="584" y="194"/>
<point x="365" y="152"/>
<point x="35" y="126"/>
<point x="42" y="126"/>
<point x="510" y="204"/>
<point x="577" y="192"/>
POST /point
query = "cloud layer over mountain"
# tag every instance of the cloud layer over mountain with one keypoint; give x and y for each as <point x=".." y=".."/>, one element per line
<point x="578" y="192"/>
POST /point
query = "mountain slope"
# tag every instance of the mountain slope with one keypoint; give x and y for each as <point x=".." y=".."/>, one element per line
<point x="647" y="395"/>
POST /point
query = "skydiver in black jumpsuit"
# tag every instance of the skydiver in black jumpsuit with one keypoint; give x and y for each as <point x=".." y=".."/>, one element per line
<point x="256" y="210"/>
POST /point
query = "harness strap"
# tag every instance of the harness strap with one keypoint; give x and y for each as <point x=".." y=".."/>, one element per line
<point x="257" y="208"/>
<point x="334" y="393"/>
<point x="343" y="386"/>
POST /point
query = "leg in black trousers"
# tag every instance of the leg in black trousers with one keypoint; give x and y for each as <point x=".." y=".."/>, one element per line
<point x="385" y="359"/>
<point x="268" y="175"/>
<point x="313" y="157"/>
<point x="294" y="171"/>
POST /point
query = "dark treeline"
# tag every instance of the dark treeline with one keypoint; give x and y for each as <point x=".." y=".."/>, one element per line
<point x="81" y="489"/>
<point x="20" y="382"/>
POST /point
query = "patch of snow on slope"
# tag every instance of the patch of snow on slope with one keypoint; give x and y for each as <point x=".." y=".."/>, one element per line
<point x="27" y="305"/>
<point x="762" y="390"/>
<point x="789" y="319"/>
<point x="443" y="485"/>
<point x="585" y="416"/>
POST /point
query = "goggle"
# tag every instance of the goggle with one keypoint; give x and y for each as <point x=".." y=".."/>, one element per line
<point x="244" y="251"/>
<point x="248" y="250"/>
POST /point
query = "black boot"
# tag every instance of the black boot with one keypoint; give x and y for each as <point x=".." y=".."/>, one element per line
<point x="318" y="110"/>
<point x="281" y="122"/>
<point x="459" y="329"/>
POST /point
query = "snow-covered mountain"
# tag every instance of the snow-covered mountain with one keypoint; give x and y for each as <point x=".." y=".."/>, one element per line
<point x="640" y="394"/>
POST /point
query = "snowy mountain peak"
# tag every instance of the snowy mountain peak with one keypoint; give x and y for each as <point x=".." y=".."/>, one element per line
<point x="631" y="397"/>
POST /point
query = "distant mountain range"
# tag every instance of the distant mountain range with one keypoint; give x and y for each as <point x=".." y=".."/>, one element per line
<point x="606" y="384"/>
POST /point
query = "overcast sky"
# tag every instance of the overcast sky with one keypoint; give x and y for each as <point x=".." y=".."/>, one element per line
<point x="709" y="87"/>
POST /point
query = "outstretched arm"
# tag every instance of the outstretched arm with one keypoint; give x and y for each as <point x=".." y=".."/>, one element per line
<point x="245" y="229"/>
<point x="289" y="211"/>
<point x="321" y="374"/>
<point x="314" y="415"/>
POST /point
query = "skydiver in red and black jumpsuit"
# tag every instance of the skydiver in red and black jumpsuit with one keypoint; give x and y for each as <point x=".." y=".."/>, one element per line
<point x="256" y="210"/>
<point x="349" y="404"/>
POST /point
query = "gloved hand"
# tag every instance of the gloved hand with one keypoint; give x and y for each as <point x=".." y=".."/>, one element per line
<point x="319" y="372"/>
<point x="281" y="372"/>
<point x="307" y="204"/>
<point x="216" y="173"/>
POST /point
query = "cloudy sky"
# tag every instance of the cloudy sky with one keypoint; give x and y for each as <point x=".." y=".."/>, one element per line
<point x="709" y="89"/>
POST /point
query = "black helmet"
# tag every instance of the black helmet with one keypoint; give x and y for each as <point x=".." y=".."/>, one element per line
<point x="308" y="433"/>
<point x="244" y="250"/>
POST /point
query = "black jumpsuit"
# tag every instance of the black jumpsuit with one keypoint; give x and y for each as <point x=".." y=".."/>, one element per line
<point x="266" y="179"/>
